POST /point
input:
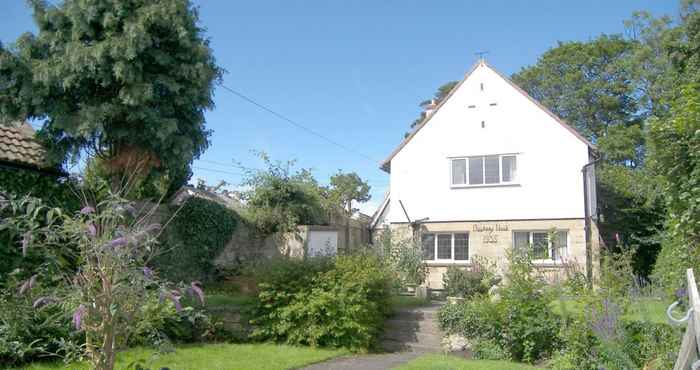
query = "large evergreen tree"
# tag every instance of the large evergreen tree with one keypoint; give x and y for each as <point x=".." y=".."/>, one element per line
<point x="126" y="81"/>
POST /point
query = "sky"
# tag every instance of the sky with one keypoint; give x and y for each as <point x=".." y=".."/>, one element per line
<point x="354" y="72"/>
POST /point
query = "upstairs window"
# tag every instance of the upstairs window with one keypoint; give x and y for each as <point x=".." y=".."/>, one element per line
<point x="483" y="170"/>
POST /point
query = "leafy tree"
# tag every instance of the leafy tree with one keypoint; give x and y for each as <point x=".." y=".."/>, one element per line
<point x="125" y="80"/>
<point x="279" y="199"/>
<point x="346" y="188"/>
<point x="606" y="88"/>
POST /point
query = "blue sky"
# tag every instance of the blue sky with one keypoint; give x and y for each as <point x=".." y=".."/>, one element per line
<point x="354" y="71"/>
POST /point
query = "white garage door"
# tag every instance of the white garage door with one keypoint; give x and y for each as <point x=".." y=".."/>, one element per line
<point x="323" y="243"/>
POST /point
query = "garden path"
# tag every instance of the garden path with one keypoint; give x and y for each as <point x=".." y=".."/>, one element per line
<point x="409" y="333"/>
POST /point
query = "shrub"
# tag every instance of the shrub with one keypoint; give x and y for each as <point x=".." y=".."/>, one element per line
<point x="337" y="302"/>
<point x="467" y="282"/>
<point x="194" y="238"/>
<point x="489" y="349"/>
<point x="521" y="322"/>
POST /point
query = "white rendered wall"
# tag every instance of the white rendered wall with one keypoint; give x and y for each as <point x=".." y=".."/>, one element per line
<point x="549" y="159"/>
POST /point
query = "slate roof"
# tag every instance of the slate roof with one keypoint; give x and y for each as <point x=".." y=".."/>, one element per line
<point x="18" y="146"/>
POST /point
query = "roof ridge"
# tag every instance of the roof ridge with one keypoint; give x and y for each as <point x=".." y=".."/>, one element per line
<point x="386" y="164"/>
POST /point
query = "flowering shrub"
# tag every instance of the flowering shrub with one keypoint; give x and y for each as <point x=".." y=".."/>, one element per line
<point x="338" y="302"/>
<point x="467" y="282"/>
<point x="113" y="244"/>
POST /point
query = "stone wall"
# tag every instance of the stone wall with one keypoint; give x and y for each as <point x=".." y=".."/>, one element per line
<point x="493" y="240"/>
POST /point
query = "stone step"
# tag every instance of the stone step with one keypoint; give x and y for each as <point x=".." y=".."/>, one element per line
<point x="397" y="346"/>
<point x="423" y="326"/>
<point x="417" y="338"/>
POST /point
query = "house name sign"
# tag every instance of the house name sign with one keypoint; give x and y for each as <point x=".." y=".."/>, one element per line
<point x="489" y="230"/>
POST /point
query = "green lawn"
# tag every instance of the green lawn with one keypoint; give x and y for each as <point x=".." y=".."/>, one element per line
<point x="643" y="309"/>
<point x="217" y="357"/>
<point x="446" y="362"/>
<point x="221" y="300"/>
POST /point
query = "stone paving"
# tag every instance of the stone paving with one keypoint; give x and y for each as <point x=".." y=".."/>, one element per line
<point x="409" y="334"/>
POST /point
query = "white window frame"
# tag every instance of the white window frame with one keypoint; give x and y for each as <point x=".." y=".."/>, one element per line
<point x="550" y="247"/>
<point x="500" y="182"/>
<point x="452" y="247"/>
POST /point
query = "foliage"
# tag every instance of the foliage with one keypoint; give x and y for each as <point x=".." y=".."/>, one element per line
<point x="27" y="334"/>
<point x="521" y="321"/>
<point x="54" y="190"/>
<point x="112" y="282"/>
<point x="337" y="302"/>
<point x="196" y="235"/>
<point x="134" y="88"/>
<point x="346" y="188"/>
<point x="488" y="349"/>
<point x="279" y="200"/>
<point x="468" y="282"/>
<point x="676" y="156"/>
<point x="404" y="258"/>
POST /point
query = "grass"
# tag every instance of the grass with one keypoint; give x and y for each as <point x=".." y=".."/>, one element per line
<point x="401" y="301"/>
<point x="642" y="309"/>
<point x="447" y="362"/>
<point x="215" y="357"/>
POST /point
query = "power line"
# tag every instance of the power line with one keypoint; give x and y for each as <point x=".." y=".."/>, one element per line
<point x="295" y="123"/>
<point x="219" y="171"/>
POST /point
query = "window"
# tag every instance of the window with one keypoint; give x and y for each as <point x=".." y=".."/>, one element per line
<point x="543" y="245"/>
<point x="483" y="170"/>
<point x="445" y="246"/>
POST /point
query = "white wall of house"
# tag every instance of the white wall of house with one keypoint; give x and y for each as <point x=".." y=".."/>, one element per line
<point x="549" y="159"/>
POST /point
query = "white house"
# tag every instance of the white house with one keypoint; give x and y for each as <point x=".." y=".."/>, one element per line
<point x="490" y="169"/>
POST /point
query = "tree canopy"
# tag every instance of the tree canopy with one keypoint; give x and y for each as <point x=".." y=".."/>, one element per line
<point x="123" y="80"/>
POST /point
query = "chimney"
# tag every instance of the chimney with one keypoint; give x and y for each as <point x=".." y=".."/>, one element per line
<point x="430" y="108"/>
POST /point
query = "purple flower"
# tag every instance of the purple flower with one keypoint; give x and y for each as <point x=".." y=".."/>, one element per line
<point x="174" y="296"/>
<point x="78" y="317"/>
<point x="87" y="210"/>
<point x="118" y="242"/>
<point x="26" y="240"/>
<point x="196" y="290"/>
<point x="91" y="230"/>
<point x="606" y="322"/>
<point x="681" y="293"/>
<point x="43" y="301"/>
<point x="147" y="272"/>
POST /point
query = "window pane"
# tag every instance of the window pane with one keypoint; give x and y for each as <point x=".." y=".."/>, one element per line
<point x="459" y="171"/>
<point x="461" y="247"/>
<point x="444" y="247"/>
<point x="509" y="168"/>
<point x="521" y="240"/>
<point x="559" y="245"/>
<point x="540" y="246"/>
<point x="476" y="170"/>
<point x="492" y="169"/>
<point x="428" y="243"/>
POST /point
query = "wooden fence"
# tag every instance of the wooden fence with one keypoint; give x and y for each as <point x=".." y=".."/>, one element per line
<point x="689" y="352"/>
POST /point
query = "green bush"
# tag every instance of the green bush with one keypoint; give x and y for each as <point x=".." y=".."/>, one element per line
<point x="194" y="238"/>
<point x="54" y="190"/>
<point x="640" y="345"/>
<point x="28" y="334"/>
<point x="489" y="349"/>
<point x="467" y="282"/>
<point x="521" y="322"/>
<point x="338" y="302"/>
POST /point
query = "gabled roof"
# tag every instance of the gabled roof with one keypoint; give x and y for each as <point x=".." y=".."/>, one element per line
<point x="378" y="213"/>
<point x="19" y="147"/>
<point x="386" y="164"/>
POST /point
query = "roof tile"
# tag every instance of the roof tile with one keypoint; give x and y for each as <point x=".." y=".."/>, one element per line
<point x="18" y="145"/>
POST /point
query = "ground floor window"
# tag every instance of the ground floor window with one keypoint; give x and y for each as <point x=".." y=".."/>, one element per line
<point x="544" y="245"/>
<point x="445" y="246"/>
